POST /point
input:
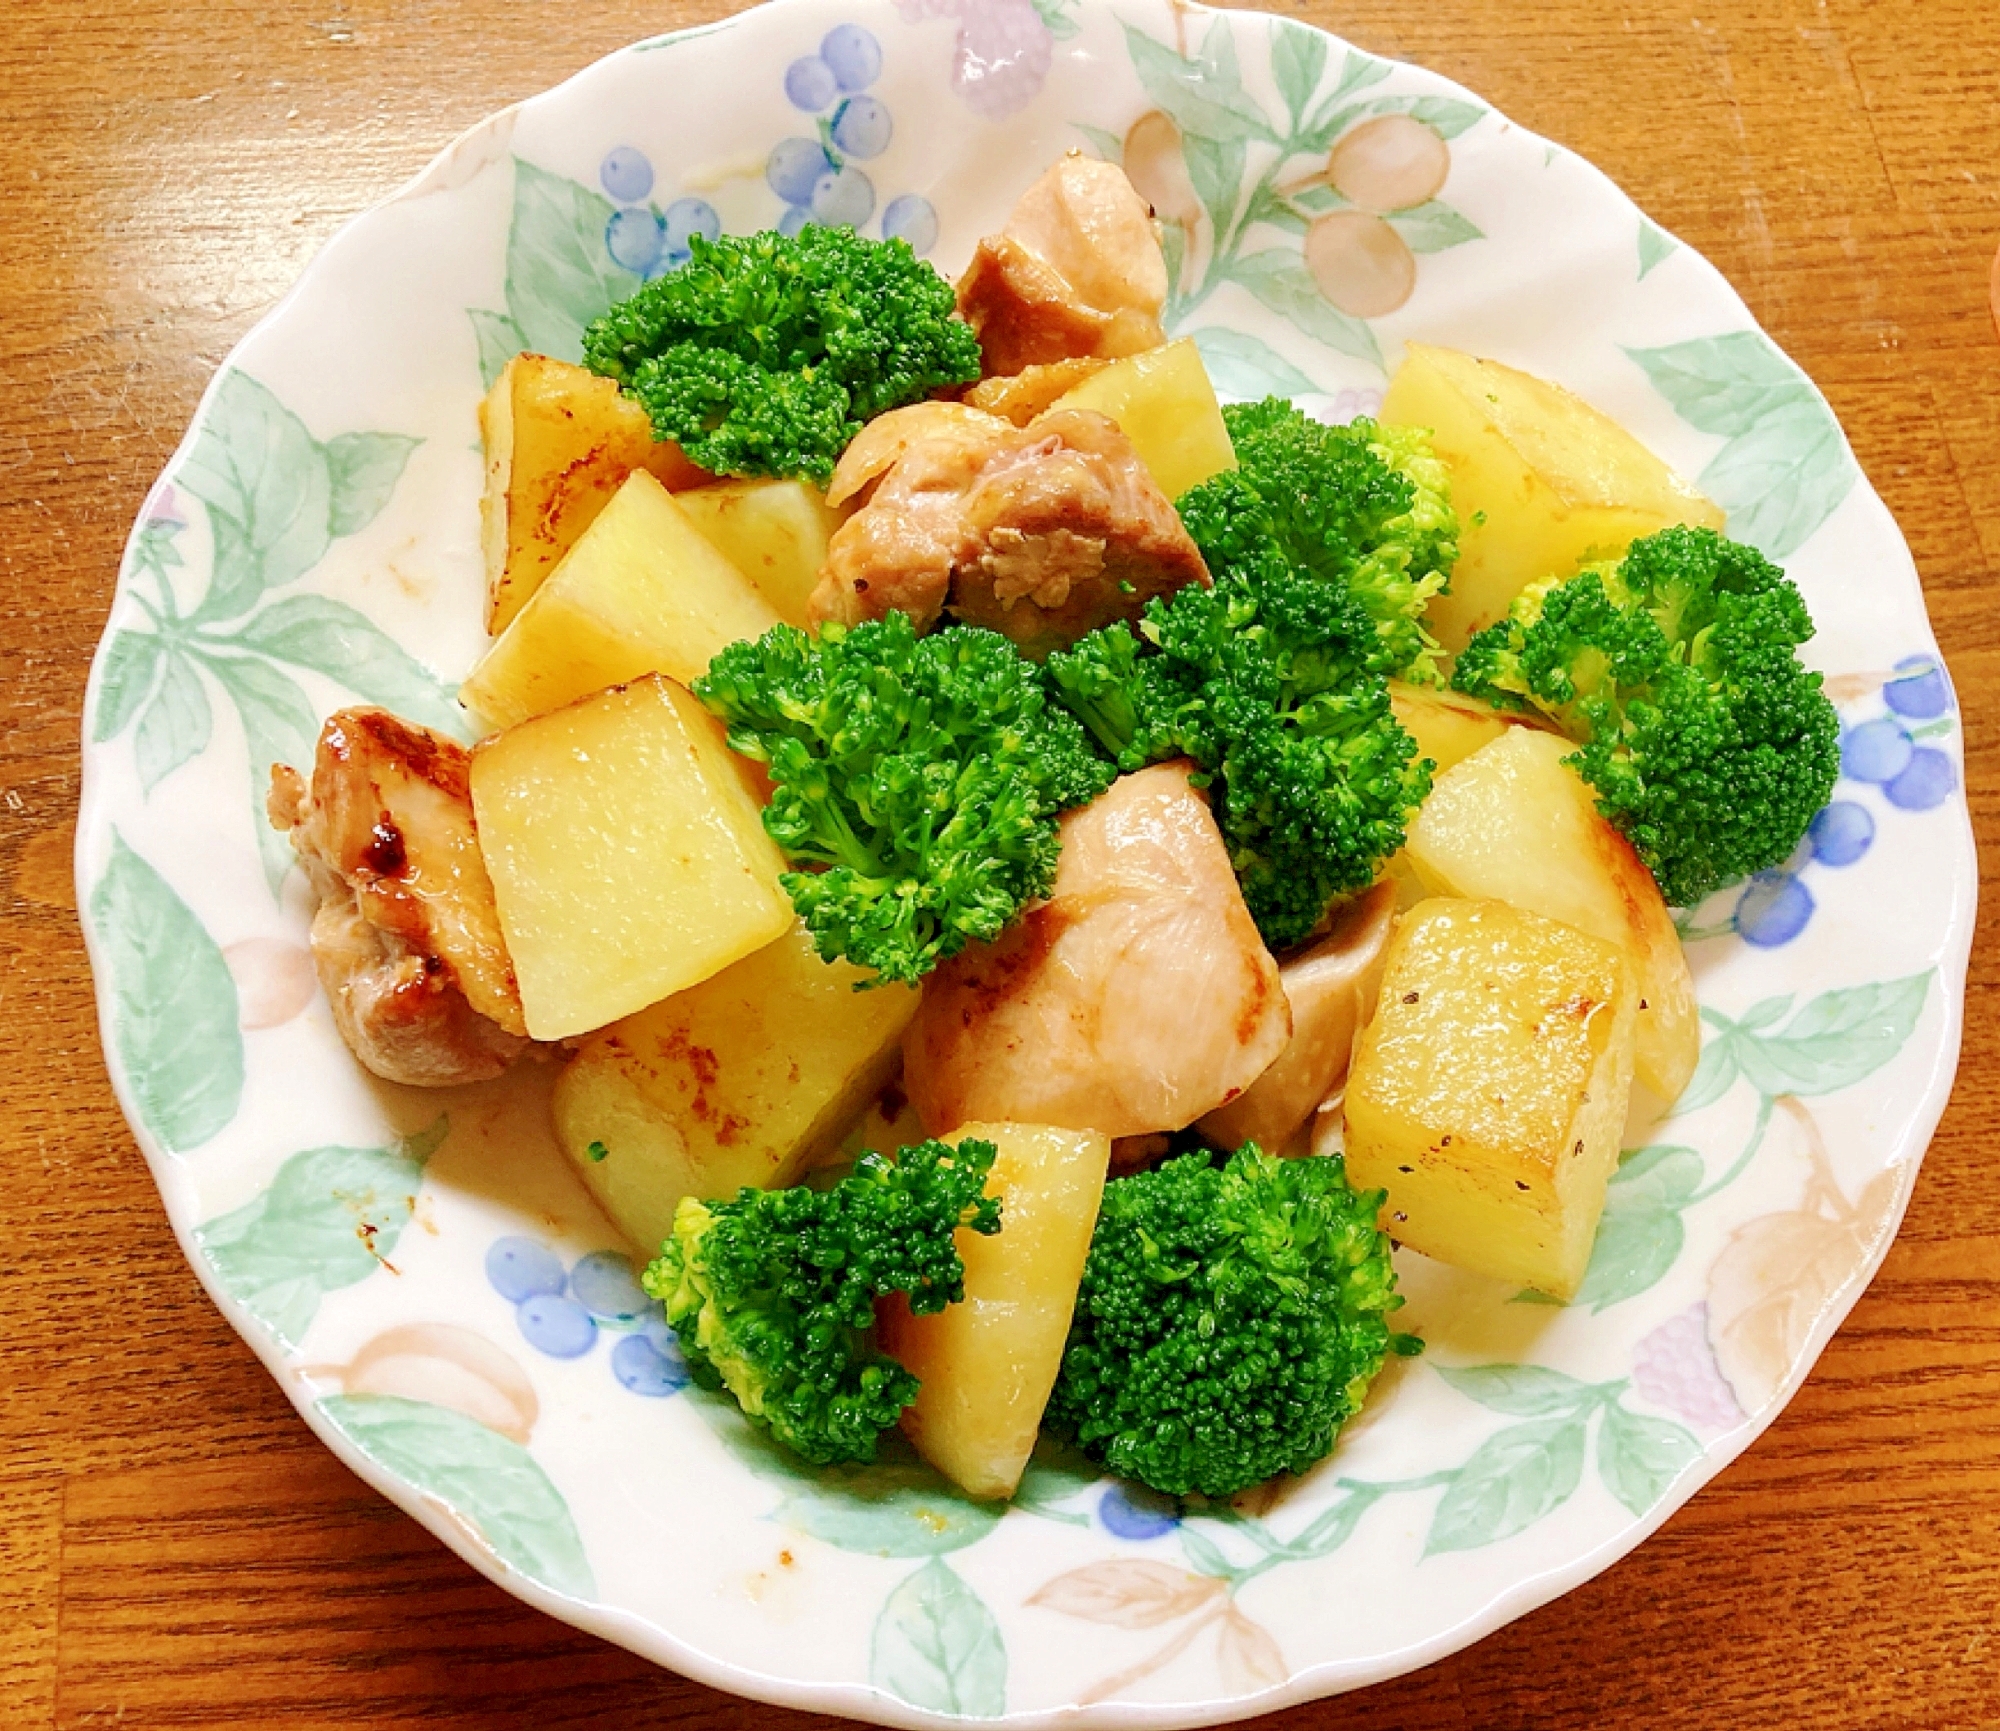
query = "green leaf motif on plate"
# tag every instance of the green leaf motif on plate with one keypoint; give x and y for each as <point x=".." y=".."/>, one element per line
<point x="176" y="723"/>
<point x="1110" y="146"/>
<point x="1655" y="247"/>
<point x="278" y="727"/>
<point x="499" y="339"/>
<point x="1204" y="95"/>
<point x="276" y="500"/>
<point x="1784" y="468"/>
<point x="491" y="1483"/>
<point x="269" y="492"/>
<point x="1838" y="1039"/>
<point x="1432" y="227"/>
<point x="327" y="636"/>
<point x="1056" y="18"/>
<point x="1056" y="1475"/>
<point x="173" y="1004"/>
<point x="1217" y="173"/>
<point x="125" y="679"/>
<point x="1241" y="365"/>
<point x="362" y="471"/>
<point x="1447" y="116"/>
<point x="1514" y="1478"/>
<point x="1639" y="1457"/>
<point x="1298" y="62"/>
<point x="1521" y="1390"/>
<point x="327" y="1220"/>
<point x="938" y="1647"/>
<point x="1639" y="1235"/>
<point x="886" y="1510"/>
<point x="1713" y="1077"/>
<point x="1281" y="281"/>
<point x="560" y="275"/>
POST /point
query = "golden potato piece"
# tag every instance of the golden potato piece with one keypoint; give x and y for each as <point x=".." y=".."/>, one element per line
<point x="559" y="442"/>
<point x="988" y="1363"/>
<point x="1558" y="482"/>
<point x="1514" y="823"/>
<point x="628" y="857"/>
<point x="1488" y="1092"/>
<point x="774" y="532"/>
<point x="748" y="1078"/>
<point x="1164" y="403"/>
<point x="1448" y="726"/>
<point x="642" y="591"/>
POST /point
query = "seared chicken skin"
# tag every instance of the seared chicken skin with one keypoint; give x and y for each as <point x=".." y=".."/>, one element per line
<point x="1137" y="998"/>
<point x="406" y="939"/>
<point x="1076" y="272"/>
<point x="1041" y="532"/>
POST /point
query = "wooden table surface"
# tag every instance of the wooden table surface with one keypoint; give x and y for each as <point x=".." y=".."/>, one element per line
<point x="175" y="1549"/>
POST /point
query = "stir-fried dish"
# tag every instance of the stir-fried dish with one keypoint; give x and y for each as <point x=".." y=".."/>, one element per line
<point x="1035" y="878"/>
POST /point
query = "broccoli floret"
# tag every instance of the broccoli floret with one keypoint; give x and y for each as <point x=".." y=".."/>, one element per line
<point x="1229" y="1321"/>
<point x="764" y="354"/>
<point x="1363" y="505"/>
<point x="773" y="1295"/>
<point x="1675" y="669"/>
<point x="1264" y="682"/>
<point x="923" y="775"/>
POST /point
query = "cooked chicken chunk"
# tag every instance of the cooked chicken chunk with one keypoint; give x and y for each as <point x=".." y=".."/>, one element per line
<point x="1042" y="532"/>
<point x="1138" y="997"/>
<point x="406" y="939"/>
<point x="1077" y="271"/>
<point x="1330" y="986"/>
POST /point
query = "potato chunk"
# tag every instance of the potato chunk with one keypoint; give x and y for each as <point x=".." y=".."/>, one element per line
<point x="1488" y="1093"/>
<point x="1514" y="823"/>
<point x="1448" y="726"/>
<point x="774" y="532"/>
<point x="748" y="1078"/>
<point x="559" y="442"/>
<point x="628" y="858"/>
<point x="987" y="1363"/>
<point x="1163" y="402"/>
<point x="1559" y="483"/>
<point x="642" y="591"/>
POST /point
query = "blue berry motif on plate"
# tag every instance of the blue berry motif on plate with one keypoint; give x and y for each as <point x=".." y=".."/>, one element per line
<point x="1133" y="1512"/>
<point x="1884" y="752"/>
<point x="641" y="237"/>
<point x="816" y="178"/>
<point x="561" y="1311"/>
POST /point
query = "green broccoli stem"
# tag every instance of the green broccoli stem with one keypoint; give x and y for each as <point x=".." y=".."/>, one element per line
<point x="836" y="842"/>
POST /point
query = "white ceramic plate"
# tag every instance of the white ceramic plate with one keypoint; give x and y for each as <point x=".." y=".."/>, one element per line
<point x="424" y="1276"/>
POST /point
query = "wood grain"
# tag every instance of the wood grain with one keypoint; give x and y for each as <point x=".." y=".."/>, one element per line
<point x="175" y="1551"/>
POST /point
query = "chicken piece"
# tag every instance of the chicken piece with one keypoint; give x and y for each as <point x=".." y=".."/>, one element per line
<point x="880" y="445"/>
<point x="1076" y="272"/>
<point x="406" y="938"/>
<point x="1041" y="532"/>
<point x="1138" y="997"/>
<point x="1020" y="397"/>
<point x="1330" y="986"/>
